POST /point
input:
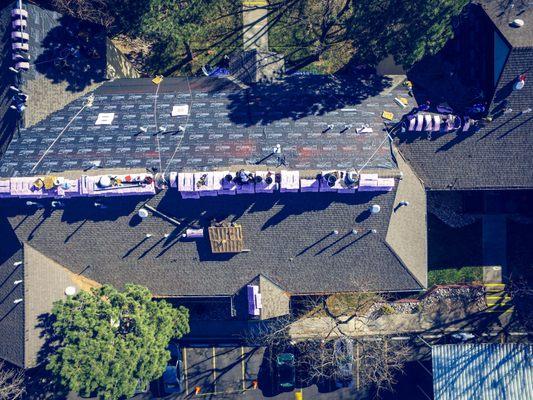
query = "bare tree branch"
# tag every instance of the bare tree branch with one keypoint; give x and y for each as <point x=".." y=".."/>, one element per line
<point x="11" y="383"/>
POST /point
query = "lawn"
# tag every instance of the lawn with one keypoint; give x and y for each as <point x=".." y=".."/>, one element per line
<point x="455" y="275"/>
<point x="453" y="252"/>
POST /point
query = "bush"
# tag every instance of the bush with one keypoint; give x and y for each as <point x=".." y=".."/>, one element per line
<point x="455" y="276"/>
<point x="387" y="309"/>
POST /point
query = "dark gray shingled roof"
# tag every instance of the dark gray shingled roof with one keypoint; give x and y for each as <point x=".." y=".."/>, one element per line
<point x="11" y="314"/>
<point x="498" y="155"/>
<point x="503" y="12"/>
<point x="289" y="236"/>
<point x="227" y="126"/>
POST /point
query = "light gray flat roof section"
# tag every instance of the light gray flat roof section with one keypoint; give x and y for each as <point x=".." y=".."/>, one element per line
<point x="482" y="371"/>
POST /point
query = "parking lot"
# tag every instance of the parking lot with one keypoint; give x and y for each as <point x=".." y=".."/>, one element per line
<point x="220" y="370"/>
<point x="228" y="371"/>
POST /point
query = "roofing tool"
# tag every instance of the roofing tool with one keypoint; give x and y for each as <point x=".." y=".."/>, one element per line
<point x="157" y="80"/>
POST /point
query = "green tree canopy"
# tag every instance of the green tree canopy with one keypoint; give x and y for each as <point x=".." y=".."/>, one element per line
<point x="186" y="34"/>
<point x="189" y="33"/>
<point x="332" y="31"/>
<point x="107" y="342"/>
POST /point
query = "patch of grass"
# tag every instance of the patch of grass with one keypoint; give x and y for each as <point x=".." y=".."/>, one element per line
<point x="387" y="309"/>
<point x="351" y="303"/>
<point x="454" y="276"/>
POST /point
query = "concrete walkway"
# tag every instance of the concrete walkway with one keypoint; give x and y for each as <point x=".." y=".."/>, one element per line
<point x="255" y="25"/>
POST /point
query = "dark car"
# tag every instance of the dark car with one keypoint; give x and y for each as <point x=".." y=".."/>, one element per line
<point x="173" y="375"/>
<point x="173" y="378"/>
<point x="285" y="370"/>
<point x="343" y="356"/>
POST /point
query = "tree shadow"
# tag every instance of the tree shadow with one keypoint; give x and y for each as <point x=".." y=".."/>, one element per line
<point x="41" y="384"/>
<point x="75" y="52"/>
<point x="299" y="96"/>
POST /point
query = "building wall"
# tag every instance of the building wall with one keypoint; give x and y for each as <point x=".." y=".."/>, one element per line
<point x="275" y="300"/>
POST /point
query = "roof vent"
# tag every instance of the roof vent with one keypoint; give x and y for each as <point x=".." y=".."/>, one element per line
<point x="517" y="23"/>
<point x="70" y="290"/>
<point x="105" y="118"/>
<point x="375" y="208"/>
<point x="143" y="213"/>
<point x="520" y="82"/>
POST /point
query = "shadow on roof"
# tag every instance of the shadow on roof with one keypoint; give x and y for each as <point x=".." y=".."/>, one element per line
<point x="74" y="52"/>
<point x="298" y="96"/>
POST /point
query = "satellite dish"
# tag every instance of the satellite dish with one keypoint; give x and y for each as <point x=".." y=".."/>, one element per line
<point x="143" y="213"/>
<point x="70" y="290"/>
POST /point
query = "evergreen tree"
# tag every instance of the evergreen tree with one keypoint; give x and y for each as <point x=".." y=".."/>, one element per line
<point x="108" y="342"/>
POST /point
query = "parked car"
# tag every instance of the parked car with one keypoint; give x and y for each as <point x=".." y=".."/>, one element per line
<point x="285" y="370"/>
<point x="173" y="379"/>
<point x="343" y="355"/>
<point x="462" y="336"/>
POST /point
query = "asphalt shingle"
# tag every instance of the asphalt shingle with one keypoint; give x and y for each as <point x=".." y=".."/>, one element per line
<point x="289" y="236"/>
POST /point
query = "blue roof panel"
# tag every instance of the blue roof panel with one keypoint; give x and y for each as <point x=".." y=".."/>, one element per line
<point x="483" y="371"/>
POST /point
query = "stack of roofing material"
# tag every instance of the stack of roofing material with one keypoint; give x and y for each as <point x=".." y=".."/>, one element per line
<point x="5" y="189"/>
<point x="419" y="122"/>
<point x="245" y="182"/>
<point x="267" y="183"/>
<point x="254" y="300"/>
<point x="25" y="187"/>
<point x="173" y="179"/>
<point x="436" y="123"/>
<point x="290" y="181"/>
<point x="229" y="186"/>
<point x="185" y="183"/>
<point x="324" y="186"/>
<point x="206" y="183"/>
<point x="428" y="122"/>
<point x="372" y="183"/>
<point x="69" y="188"/>
<point x="309" y="185"/>
<point x="91" y="185"/>
<point x="331" y="182"/>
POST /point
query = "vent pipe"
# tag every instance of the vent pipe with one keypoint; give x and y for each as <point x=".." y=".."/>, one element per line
<point x="375" y="208"/>
<point x="70" y="290"/>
